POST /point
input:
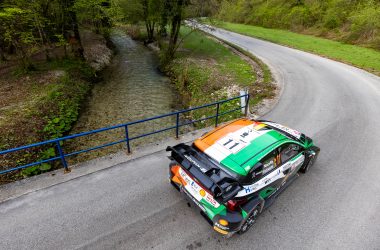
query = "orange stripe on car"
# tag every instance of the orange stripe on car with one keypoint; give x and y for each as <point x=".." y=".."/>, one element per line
<point x="176" y="176"/>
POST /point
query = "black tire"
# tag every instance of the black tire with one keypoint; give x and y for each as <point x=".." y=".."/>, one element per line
<point x="307" y="166"/>
<point x="251" y="219"/>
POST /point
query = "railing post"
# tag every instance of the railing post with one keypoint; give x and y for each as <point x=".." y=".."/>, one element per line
<point x="63" y="160"/>
<point x="127" y="139"/>
<point x="217" y="115"/>
<point x="177" y="126"/>
<point x="247" y="105"/>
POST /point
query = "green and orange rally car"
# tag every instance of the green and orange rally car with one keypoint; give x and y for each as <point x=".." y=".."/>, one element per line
<point x="235" y="171"/>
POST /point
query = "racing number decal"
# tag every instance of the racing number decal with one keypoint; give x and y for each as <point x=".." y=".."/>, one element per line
<point x="236" y="141"/>
<point x="231" y="144"/>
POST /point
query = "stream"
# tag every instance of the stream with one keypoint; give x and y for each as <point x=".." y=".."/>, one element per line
<point x="132" y="89"/>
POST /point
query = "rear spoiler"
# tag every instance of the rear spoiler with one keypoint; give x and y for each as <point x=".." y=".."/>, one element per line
<point x="222" y="185"/>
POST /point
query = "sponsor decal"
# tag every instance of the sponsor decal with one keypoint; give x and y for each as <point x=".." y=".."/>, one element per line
<point x="202" y="192"/>
<point x="195" y="163"/>
<point x="268" y="167"/>
<point x="290" y="131"/>
<point x="221" y="227"/>
<point x="194" y="200"/>
<point x="211" y="200"/>
<point x="271" y="177"/>
<point x="196" y="191"/>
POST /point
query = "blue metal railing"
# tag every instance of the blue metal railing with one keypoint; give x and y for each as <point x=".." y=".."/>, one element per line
<point x="59" y="141"/>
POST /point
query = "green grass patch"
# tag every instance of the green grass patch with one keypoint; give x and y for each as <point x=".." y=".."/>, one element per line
<point x="229" y="63"/>
<point x="206" y="71"/>
<point x="365" y="58"/>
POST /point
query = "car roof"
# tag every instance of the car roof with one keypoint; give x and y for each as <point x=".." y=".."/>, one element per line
<point x="240" y="144"/>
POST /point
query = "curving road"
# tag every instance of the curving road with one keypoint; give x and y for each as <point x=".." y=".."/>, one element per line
<point x="131" y="206"/>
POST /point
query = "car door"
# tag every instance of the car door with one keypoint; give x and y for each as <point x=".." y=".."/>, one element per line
<point x="271" y="178"/>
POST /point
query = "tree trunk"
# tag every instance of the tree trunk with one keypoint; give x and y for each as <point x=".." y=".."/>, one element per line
<point x="2" y="54"/>
<point x="150" y="30"/>
<point x="148" y="23"/>
<point x="78" y="48"/>
<point x="174" y="32"/>
<point x="164" y="19"/>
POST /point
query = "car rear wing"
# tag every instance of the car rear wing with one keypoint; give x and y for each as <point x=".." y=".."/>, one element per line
<point x="211" y="176"/>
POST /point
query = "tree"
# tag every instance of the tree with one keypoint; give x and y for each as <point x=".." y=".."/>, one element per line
<point x="28" y="26"/>
<point x="17" y="31"/>
<point x="151" y="16"/>
<point x="175" y="10"/>
<point x="98" y="14"/>
<point x="147" y="11"/>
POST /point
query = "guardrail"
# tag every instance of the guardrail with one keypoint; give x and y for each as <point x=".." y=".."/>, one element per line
<point x="58" y="142"/>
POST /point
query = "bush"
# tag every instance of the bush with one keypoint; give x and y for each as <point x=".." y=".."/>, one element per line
<point x="365" y="25"/>
<point x="350" y="21"/>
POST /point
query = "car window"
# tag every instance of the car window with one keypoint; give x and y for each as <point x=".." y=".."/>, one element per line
<point x="269" y="162"/>
<point x="257" y="173"/>
<point x="288" y="151"/>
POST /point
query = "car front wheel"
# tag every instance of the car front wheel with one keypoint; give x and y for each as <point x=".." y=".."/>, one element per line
<point x="307" y="166"/>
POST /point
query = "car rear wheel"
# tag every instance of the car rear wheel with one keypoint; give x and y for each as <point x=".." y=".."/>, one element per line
<point x="250" y="220"/>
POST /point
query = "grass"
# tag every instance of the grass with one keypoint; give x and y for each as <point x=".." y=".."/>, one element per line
<point x="228" y="62"/>
<point x="40" y="105"/>
<point x="365" y="58"/>
<point x="205" y="71"/>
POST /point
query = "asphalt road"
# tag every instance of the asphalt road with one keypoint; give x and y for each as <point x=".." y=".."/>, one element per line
<point x="132" y="206"/>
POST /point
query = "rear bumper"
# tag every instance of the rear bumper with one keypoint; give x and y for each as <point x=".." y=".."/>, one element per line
<point x="234" y="219"/>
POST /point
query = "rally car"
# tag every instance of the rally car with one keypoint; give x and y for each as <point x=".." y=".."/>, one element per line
<point x="235" y="171"/>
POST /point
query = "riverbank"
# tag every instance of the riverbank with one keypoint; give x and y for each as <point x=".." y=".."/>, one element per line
<point x="206" y="70"/>
<point x="45" y="103"/>
<point x="132" y="88"/>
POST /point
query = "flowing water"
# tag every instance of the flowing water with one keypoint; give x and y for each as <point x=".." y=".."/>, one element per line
<point x="132" y="89"/>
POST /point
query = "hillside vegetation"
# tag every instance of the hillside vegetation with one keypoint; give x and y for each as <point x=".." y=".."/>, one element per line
<point x="365" y="58"/>
<point x="349" y="21"/>
<point x="204" y="65"/>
